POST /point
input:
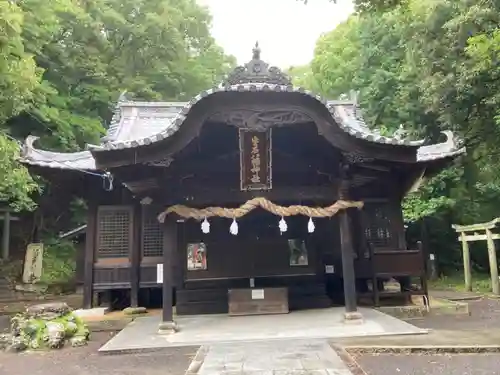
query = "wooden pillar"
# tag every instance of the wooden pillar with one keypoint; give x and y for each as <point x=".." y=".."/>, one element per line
<point x="347" y="250"/>
<point x="90" y="242"/>
<point x="492" y="256"/>
<point x="348" y="267"/>
<point x="168" y="326"/>
<point x="6" y="235"/>
<point x="135" y="257"/>
<point x="467" y="270"/>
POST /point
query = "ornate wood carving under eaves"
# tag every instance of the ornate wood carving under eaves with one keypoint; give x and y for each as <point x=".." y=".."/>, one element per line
<point x="257" y="71"/>
<point x="259" y="119"/>
<point x="355" y="158"/>
<point x="165" y="162"/>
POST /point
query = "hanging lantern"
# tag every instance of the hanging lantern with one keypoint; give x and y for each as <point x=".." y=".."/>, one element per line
<point x="205" y="226"/>
<point x="282" y="225"/>
<point x="310" y="226"/>
<point x="233" y="229"/>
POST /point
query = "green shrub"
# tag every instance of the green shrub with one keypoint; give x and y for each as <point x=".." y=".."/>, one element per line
<point x="59" y="262"/>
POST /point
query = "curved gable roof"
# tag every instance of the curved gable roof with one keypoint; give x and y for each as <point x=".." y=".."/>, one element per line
<point x="167" y="119"/>
<point x="136" y="124"/>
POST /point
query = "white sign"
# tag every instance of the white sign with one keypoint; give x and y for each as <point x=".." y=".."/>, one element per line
<point x="159" y="273"/>
<point x="431" y="256"/>
<point x="252" y="283"/>
<point x="329" y="268"/>
<point x="33" y="263"/>
<point x="257" y="293"/>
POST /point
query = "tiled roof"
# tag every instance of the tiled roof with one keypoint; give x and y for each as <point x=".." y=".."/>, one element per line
<point x="82" y="160"/>
<point x="143" y="123"/>
<point x="135" y="124"/>
<point x="135" y="120"/>
<point x="451" y="147"/>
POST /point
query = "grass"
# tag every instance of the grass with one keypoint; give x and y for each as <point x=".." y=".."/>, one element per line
<point x="481" y="283"/>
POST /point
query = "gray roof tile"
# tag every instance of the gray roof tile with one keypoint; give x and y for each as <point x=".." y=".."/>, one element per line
<point x="146" y="123"/>
<point x="451" y="147"/>
<point x="135" y="124"/>
<point x="82" y="160"/>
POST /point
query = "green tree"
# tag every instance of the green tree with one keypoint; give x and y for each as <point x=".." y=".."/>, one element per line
<point x="16" y="184"/>
<point x="91" y="51"/>
<point x="19" y="77"/>
<point x="430" y="65"/>
<point x="370" y="5"/>
<point x="64" y="63"/>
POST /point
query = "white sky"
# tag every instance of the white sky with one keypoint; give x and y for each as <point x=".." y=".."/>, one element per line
<point x="287" y="30"/>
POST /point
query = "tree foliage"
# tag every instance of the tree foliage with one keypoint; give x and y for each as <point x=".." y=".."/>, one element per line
<point x="365" y="6"/>
<point x="64" y="62"/>
<point x="63" y="65"/>
<point x="430" y="65"/>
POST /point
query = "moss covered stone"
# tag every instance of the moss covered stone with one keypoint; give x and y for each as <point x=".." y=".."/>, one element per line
<point x="47" y="326"/>
<point x="134" y="310"/>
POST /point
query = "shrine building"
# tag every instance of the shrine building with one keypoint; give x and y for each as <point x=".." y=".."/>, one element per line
<point x="254" y="197"/>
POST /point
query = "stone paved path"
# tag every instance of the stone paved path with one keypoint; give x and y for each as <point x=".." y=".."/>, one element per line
<point x="276" y="357"/>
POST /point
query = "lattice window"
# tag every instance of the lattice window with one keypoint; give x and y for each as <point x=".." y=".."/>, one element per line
<point x="152" y="234"/>
<point x="114" y="224"/>
<point x="378" y="230"/>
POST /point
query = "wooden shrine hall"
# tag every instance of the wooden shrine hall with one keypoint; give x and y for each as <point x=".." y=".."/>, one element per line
<point x="254" y="197"/>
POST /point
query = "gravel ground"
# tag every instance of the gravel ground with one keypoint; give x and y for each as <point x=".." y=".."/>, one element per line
<point x="86" y="361"/>
<point x="484" y="314"/>
<point x="463" y="364"/>
<point x="4" y="323"/>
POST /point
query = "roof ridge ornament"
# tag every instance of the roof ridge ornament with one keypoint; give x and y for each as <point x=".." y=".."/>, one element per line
<point x="257" y="71"/>
<point x="256" y="51"/>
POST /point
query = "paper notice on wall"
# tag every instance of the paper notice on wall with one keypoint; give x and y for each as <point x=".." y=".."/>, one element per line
<point x="329" y="268"/>
<point x="159" y="273"/>
<point x="257" y="293"/>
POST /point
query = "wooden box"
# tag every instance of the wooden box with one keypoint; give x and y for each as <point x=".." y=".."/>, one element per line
<point x="258" y="301"/>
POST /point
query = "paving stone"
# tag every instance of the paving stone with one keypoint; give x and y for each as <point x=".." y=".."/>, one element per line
<point x="259" y="329"/>
<point x="300" y="372"/>
<point x="338" y="372"/>
<point x="322" y="364"/>
<point x="279" y="357"/>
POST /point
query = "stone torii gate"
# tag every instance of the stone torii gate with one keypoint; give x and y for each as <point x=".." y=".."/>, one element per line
<point x="480" y="232"/>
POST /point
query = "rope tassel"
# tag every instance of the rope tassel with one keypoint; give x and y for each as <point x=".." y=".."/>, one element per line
<point x="310" y="226"/>
<point x="282" y="225"/>
<point x="233" y="229"/>
<point x="205" y="226"/>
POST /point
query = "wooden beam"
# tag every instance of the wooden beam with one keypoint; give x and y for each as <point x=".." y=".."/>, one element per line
<point x="478" y="237"/>
<point x="135" y="257"/>
<point x="90" y="242"/>
<point x="10" y="217"/>
<point x="347" y="251"/>
<point x="475" y="227"/>
<point x="170" y="243"/>
<point x="467" y="269"/>
<point x="222" y="196"/>
<point x="6" y="236"/>
<point x="492" y="256"/>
